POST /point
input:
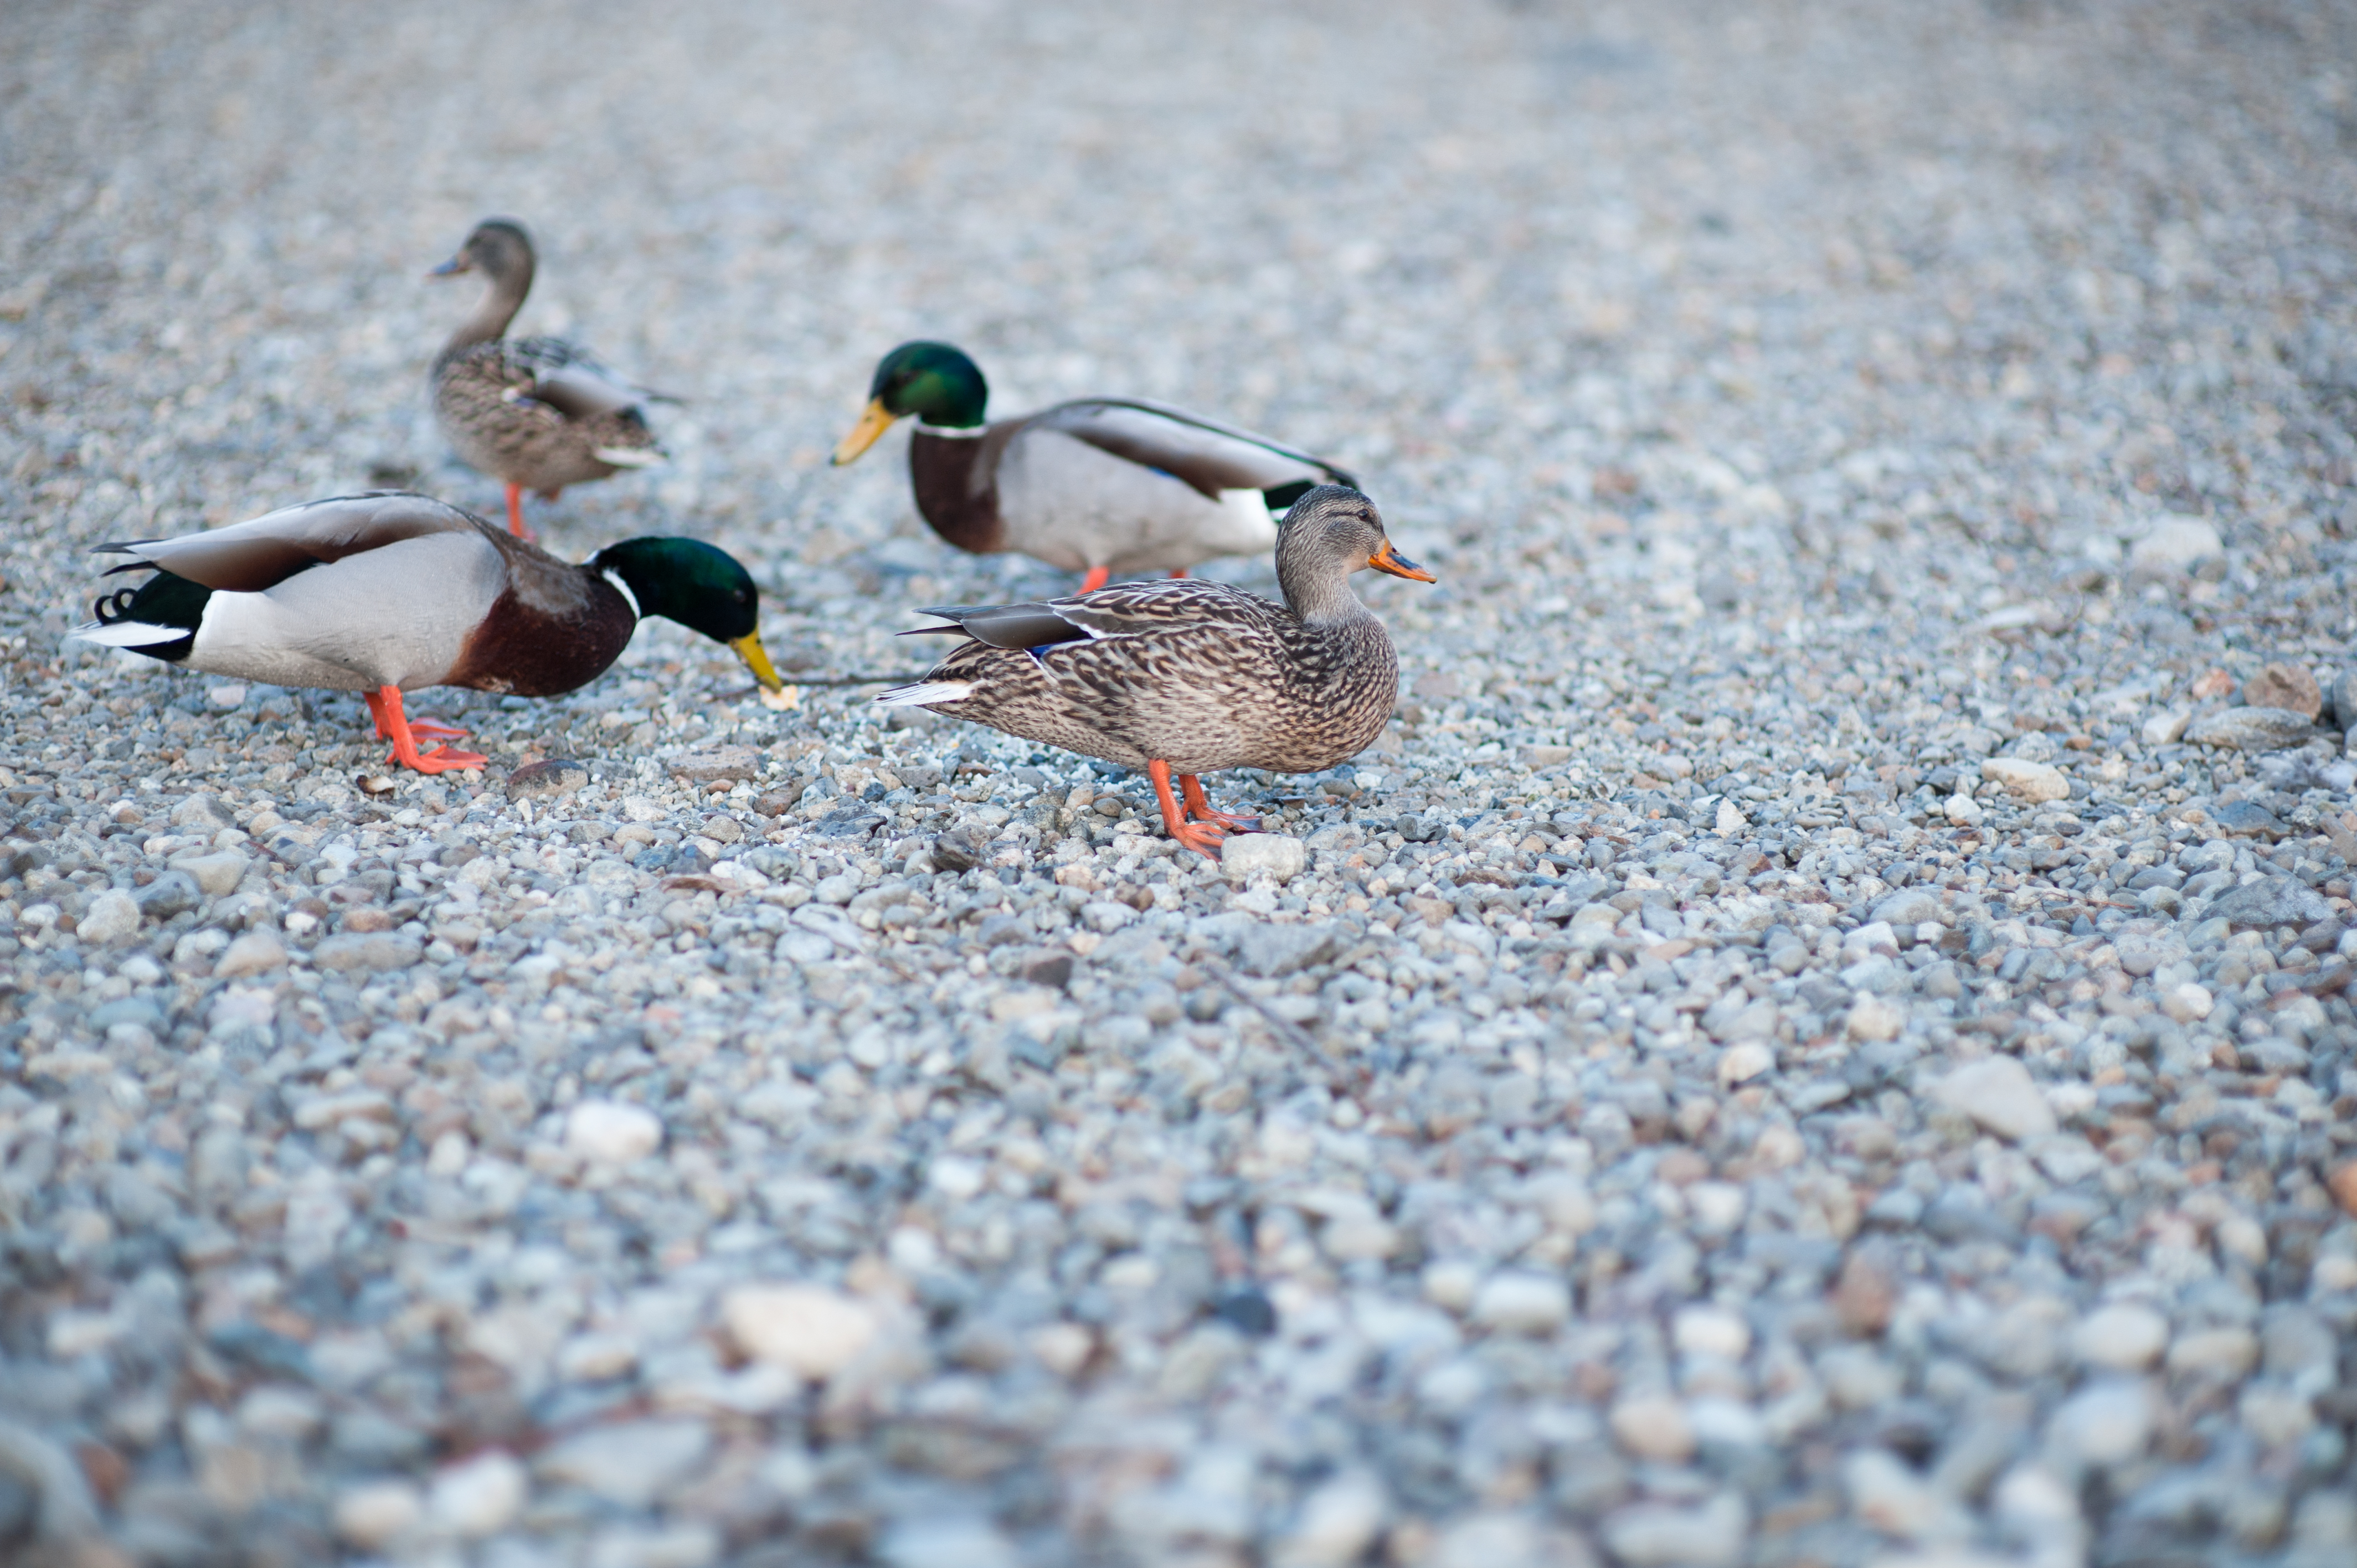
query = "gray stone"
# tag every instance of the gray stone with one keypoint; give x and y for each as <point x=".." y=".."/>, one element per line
<point x="1907" y="908"/>
<point x="374" y="951"/>
<point x="2250" y="729"/>
<point x="631" y="1463"/>
<point x="550" y="778"/>
<point x="1273" y="950"/>
<point x="2271" y="901"/>
<point x="173" y="893"/>
<point x="732" y="763"/>
<point x="2247" y="819"/>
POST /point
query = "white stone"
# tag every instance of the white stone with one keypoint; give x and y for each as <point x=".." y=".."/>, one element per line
<point x="216" y="872"/>
<point x="2168" y="726"/>
<point x="1886" y="1493"/>
<point x="2104" y="1423"/>
<point x="1998" y="1093"/>
<point x="228" y="695"/>
<point x="113" y="916"/>
<point x="373" y="1513"/>
<point x="807" y="1329"/>
<point x="1872" y="1018"/>
<point x="1962" y="811"/>
<point x="1336" y="1523"/>
<point x="1523" y="1303"/>
<point x="2175" y="542"/>
<point x="1730" y="820"/>
<point x="479" y="1497"/>
<point x="1711" y="1331"/>
<point x="611" y="1133"/>
<point x="255" y="952"/>
<point x="1745" y="1062"/>
<point x="2026" y="780"/>
<point x="595" y="1356"/>
<point x="2226" y="1354"/>
<point x="1655" y="1535"/>
<point x="1245" y="856"/>
<point x="2274" y="1414"/>
<point x="952" y="1542"/>
<point x="2187" y="1004"/>
<point x="1451" y="1284"/>
<point x="2126" y="1336"/>
<point x="1717" y="1207"/>
<point x="1653" y="1426"/>
<point x="631" y="1463"/>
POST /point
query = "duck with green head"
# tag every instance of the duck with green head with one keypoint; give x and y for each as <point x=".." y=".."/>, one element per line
<point x="385" y="593"/>
<point x="1097" y="486"/>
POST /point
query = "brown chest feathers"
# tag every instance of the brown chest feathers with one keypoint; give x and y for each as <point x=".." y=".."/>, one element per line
<point x="539" y="643"/>
<point x="955" y="479"/>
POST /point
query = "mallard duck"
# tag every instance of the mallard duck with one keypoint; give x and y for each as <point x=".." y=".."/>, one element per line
<point x="1099" y="486"/>
<point x="538" y="413"/>
<point x="385" y="593"/>
<point x="1189" y="677"/>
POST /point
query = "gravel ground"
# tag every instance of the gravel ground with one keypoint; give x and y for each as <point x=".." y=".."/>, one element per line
<point x="1820" y="1036"/>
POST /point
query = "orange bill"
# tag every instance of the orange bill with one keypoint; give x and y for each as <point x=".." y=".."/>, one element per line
<point x="1390" y="560"/>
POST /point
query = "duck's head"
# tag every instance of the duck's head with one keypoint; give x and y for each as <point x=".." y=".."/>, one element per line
<point x="499" y="249"/>
<point x="702" y="588"/>
<point x="932" y="380"/>
<point x="1335" y="523"/>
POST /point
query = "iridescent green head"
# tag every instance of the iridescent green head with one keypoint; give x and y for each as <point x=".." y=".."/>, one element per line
<point x="934" y="382"/>
<point x="704" y="589"/>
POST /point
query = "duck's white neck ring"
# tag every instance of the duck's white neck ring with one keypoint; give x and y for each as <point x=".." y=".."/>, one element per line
<point x="623" y="588"/>
<point x="953" y="432"/>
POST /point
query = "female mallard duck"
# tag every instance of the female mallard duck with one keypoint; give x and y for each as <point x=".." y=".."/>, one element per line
<point x="1189" y="677"/>
<point x="385" y="593"/>
<point x="536" y="413"/>
<point x="1100" y="486"/>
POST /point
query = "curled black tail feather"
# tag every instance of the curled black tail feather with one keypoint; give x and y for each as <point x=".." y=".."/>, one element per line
<point x="162" y="600"/>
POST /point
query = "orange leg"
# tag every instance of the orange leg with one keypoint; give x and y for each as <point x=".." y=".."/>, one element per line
<point x="1097" y="578"/>
<point x="1198" y="807"/>
<point x="384" y="702"/>
<point x="1203" y="838"/>
<point x="515" y="514"/>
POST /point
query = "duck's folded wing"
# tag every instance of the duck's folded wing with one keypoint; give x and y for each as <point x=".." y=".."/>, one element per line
<point x="1004" y="626"/>
<point x="1203" y="453"/>
<point x="1124" y="609"/>
<point x="252" y="557"/>
<point x="566" y="377"/>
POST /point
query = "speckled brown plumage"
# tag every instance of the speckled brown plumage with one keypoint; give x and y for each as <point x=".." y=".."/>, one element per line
<point x="1196" y="674"/>
<point x="537" y="413"/>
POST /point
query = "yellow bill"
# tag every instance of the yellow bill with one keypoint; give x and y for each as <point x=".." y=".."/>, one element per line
<point x="873" y="421"/>
<point x="757" y="659"/>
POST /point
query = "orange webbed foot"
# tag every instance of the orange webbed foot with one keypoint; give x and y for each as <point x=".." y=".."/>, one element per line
<point x="1203" y="838"/>
<point x="1198" y="808"/>
<point x="432" y="729"/>
<point x="441" y="759"/>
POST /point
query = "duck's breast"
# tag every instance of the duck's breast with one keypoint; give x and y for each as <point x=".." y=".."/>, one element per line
<point x="554" y="628"/>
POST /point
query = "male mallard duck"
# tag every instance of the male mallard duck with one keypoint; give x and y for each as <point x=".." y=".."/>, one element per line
<point x="1191" y="676"/>
<point x="1099" y="486"/>
<point x="536" y="413"/>
<point x="388" y="592"/>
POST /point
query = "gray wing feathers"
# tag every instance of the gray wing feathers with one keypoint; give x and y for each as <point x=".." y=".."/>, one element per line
<point x="1006" y="625"/>
<point x="252" y="557"/>
<point x="1208" y="455"/>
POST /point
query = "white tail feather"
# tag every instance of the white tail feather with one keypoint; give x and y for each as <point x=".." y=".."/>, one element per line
<point x="925" y="693"/>
<point x="629" y="456"/>
<point x="127" y="633"/>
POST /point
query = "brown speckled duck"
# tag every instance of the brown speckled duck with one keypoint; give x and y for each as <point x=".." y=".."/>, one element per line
<point x="538" y="413"/>
<point x="389" y="592"/>
<point x="1188" y="677"/>
<point x="1099" y="486"/>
